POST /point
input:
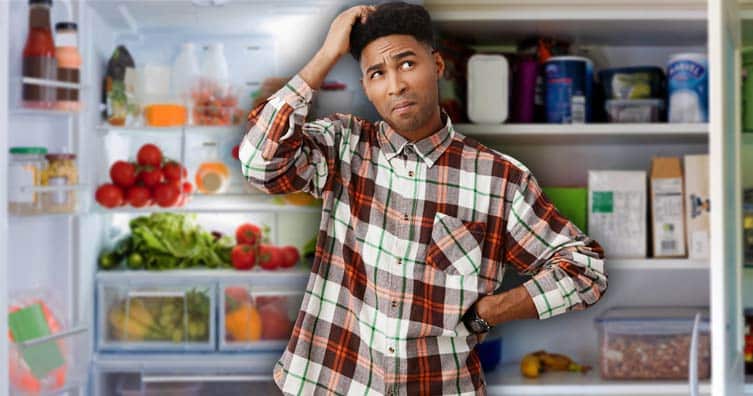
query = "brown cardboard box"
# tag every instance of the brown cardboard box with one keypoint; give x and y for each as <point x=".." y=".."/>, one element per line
<point x="667" y="214"/>
<point x="697" y="205"/>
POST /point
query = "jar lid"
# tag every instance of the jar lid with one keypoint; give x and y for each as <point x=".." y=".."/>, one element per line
<point x="66" y="26"/>
<point x="28" y="150"/>
<point x="60" y="156"/>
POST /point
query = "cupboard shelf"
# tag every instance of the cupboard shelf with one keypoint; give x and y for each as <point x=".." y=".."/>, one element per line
<point x="653" y="264"/>
<point x="507" y="380"/>
<point x="587" y="133"/>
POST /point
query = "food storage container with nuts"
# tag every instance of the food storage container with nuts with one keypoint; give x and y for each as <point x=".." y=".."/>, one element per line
<point x="24" y="172"/>
<point x="652" y="343"/>
<point x="61" y="171"/>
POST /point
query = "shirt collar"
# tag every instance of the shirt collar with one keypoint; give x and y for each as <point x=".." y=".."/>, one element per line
<point x="429" y="148"/>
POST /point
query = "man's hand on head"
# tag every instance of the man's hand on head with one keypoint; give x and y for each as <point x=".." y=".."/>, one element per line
<point x="337" y="42"/>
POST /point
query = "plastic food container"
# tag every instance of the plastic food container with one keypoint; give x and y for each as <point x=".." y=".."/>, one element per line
<point x="635" y="110"/>
<point x="652" y="343"/>
<point x="61" y="171"/>
<point x="156" y="316"/>
<point x="258" y="317"/>
<point x="488" y="86"/>
<point x="639" y="82"/>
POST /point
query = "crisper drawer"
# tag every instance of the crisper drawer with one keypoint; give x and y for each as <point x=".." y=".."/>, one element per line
<point x="156" y="316"/>
<point x="187" y="375"/>
<point x="256" y="317"/>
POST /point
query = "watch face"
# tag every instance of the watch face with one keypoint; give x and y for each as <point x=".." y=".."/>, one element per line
<point x="477" y="326"/>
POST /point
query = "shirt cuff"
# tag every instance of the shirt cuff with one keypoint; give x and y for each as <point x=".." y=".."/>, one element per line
<point x="296" y="92"/>
<point x="547" y="298"/>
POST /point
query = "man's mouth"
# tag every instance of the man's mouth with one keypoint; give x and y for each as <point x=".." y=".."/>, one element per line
<point x="402" y="107"/>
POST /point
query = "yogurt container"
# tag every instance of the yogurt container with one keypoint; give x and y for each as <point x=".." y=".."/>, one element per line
<point x="688" y="88"/>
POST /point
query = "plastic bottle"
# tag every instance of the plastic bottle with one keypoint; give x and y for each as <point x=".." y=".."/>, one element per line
<point x="69" y="63"/>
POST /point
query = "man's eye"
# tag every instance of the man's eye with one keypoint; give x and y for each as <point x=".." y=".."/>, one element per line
<point x="407" y="65"/>
<point x="375" y="74"/>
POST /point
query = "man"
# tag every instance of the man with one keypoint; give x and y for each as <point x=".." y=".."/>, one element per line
<point x="418" y="223"/>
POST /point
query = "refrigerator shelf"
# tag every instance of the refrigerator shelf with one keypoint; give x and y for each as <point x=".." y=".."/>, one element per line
<point x="290" y="277"/>
<point x="223" y="203"/>
<point x="187" y="129"/>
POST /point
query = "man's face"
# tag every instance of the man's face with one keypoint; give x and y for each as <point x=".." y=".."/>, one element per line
<point x="399" y="76"/>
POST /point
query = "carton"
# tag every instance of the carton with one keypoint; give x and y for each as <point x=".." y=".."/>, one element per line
<point x="697" y="205"/>
<point x="667" y="214"/>
<point x="617" y="212"/>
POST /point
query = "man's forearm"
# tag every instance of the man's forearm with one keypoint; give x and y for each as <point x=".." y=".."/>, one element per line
<point x="511" y="305"/>
<point x="317" y="69"/>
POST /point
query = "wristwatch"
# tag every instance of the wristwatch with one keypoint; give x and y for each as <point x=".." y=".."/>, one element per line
<point x="474" y="323"/>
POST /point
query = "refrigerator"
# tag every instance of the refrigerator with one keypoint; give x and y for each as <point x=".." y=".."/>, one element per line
<point x="150" y="332"/>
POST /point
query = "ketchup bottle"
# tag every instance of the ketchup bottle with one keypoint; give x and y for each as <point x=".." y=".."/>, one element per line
<point x="39" y="57"/>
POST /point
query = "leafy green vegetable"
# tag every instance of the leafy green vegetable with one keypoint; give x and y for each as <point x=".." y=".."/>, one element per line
<point x="174" y="241"/>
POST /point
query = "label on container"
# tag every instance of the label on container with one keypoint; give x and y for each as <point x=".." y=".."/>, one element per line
<point x="669" y="237"/>
<point x="20" y="176"/>
<point x="578" y="109"/>
<point x="688" y="91"/>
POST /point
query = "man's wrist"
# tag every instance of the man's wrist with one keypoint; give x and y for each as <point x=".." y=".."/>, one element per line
<point x="485" y="310"/>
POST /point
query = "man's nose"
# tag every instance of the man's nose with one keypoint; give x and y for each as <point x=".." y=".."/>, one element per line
<point x="397" y="86"/>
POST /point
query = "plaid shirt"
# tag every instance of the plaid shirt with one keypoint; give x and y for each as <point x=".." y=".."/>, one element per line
<point x="412" y="234"/>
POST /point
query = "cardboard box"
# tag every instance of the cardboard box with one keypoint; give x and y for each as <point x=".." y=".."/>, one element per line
<point x="667" y="214"/>
<point x="571" y="202"/>
<point x="697" y="206"/>
<point x="617" y="212"/>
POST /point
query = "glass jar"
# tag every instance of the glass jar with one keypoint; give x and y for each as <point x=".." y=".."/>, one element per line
<point x="61" y="171"/>
<point x="25" y="170"/>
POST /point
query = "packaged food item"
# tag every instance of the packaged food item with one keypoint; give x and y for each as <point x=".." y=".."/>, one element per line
<point x="69" y="63"/>
<point x="525" y="73"/>
<point x="165" y="115"/>
<point x="212" y="175"/>
<point x="39" y="57"/>
<point x="635" y="82"/>
<point x="617" y="212"/>
<point x="113" y="89"/>
<point x="488" y="88"/>
<point x="25" y="170"/>
<point x="566" y="90"/>
<point x="667" y="214"/>
<point x="634" y="110"/>
<point x="61" y="171"/>
<point x="652" y="343"/>
<point x="697" y="205"/>
<point x="688" y="84"/>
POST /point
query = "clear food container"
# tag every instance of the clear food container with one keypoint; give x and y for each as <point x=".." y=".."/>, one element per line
<point x="156" y="316"/>
<point x="45" y="354"/>
<point x="635" y="110"/>
<point x="61" y="171"/>
<point x="258" y="317"/>
<point x="25" y="170"/>
<point x="652" y="343"/>
<point x="215" y="378"/>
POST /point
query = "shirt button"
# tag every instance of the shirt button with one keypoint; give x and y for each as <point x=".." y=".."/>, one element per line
<point x="405" y="217"/>
<point x="391" y="349"/>
<point x="394" y="304"/>
<point x="410" y="173"/>
<point x="399" y="261"/>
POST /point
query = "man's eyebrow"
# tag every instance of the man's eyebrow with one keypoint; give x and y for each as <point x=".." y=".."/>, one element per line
<point x="395" y="57"/>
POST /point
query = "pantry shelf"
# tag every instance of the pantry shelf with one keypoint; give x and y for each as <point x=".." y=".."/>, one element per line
<point x="587" y="133"/>
<point x="507" y="380"/>
<point x="649" y="264"/>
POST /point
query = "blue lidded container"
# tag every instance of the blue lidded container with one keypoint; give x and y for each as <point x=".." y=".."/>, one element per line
<point x="567" y="96"/>
<point x="635" y="82"/>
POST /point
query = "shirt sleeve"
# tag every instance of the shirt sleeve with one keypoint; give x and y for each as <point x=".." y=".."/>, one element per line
<point x="281" y="153"/>
<point x="567" y="267"/>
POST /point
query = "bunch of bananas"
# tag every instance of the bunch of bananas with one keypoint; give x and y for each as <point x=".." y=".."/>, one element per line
<point x="538" y="362"/>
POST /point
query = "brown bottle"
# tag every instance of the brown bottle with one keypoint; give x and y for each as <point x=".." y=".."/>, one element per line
<point x="39" y="57"/>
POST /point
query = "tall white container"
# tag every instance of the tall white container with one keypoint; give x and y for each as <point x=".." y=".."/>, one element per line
<point x="488" y="87"/>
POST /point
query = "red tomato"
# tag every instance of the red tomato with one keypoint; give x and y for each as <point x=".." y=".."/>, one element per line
<point x="166" y="194"/>
<point x="236" y="151"/>
<point x="172" y="171"/>
<point x="109" y="195"/>
<point x="187" y="188"/>
<point x="151" y="176"/>
<point x="243" y="257"/>
<point x="290" y="256"/>
<point x="270" y="257"/>
<point x="123" y="174"/>
<point x="138" y="196"/>
<point x="149" y="154"/>
<point x="248" y="233"/>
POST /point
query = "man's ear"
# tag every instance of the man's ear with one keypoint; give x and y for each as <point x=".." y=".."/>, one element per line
<point x="439" y="64"/>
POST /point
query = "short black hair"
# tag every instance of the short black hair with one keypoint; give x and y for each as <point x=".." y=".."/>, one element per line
<point x="392" y="18"/>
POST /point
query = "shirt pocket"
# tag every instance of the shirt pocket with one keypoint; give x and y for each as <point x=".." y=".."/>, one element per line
<point x="456" y="245"/>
